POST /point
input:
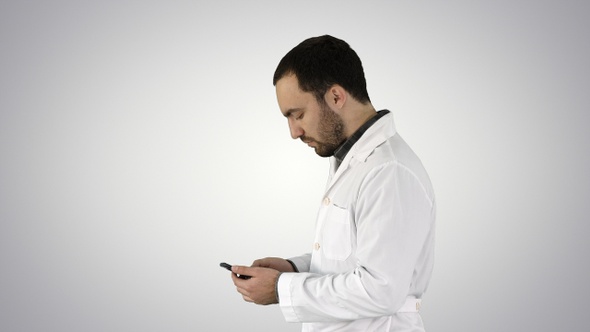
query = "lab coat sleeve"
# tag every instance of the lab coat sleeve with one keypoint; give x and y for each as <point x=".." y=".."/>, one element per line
<point x="393" y="215"/>
<point x="302" y="262"/>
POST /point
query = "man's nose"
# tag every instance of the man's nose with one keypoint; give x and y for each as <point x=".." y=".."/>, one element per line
<point x="296" y="131"/>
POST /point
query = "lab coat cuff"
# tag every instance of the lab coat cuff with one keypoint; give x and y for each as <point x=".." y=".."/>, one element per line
<point x="285" y="300"/>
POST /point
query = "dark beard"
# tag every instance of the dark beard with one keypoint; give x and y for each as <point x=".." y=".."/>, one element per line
<point x="330" y="131"/>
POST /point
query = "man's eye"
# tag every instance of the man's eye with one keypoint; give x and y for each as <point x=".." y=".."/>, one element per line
<point x="300" y="116"/>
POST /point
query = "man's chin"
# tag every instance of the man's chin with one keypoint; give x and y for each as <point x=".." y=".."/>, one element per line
<point x="324" y="152"/>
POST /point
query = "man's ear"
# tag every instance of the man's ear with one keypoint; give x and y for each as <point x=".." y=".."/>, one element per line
<point x="336" y="97"/>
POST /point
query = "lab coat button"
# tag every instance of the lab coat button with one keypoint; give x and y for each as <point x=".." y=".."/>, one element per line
<point x="327" y="200"/>
<point x="316" y="246"/>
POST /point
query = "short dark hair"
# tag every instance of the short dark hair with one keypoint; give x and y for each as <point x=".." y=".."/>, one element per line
<point x="320" y="62"/>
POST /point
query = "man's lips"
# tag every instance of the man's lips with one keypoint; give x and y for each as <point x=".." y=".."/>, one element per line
<point x="308" y="141"/>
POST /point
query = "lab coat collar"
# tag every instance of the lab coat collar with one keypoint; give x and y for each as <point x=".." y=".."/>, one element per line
<point x="376" y="135"/>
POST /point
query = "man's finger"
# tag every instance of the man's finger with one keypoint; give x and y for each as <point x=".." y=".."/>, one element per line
<point x="243" y="270"/>
<point x="258" y="262"/>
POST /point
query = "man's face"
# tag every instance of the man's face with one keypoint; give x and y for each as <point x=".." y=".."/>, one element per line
<point x="312" y="122"/>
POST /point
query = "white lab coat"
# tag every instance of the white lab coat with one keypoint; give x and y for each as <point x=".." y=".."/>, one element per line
<point x="373" y="250"/>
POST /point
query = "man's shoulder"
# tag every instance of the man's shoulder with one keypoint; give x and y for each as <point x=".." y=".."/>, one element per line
<point x="391" y="156"/>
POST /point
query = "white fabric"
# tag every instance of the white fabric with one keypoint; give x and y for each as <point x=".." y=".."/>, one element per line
<point x="412" y="305"/>
<point x="374" y="245"/>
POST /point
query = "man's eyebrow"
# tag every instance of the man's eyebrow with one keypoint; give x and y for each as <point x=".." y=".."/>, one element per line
<point x="290" y="111"/>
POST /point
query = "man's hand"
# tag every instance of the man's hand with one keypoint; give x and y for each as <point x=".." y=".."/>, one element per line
<point x="276" y="263"/>
<point x="261" y="287"/>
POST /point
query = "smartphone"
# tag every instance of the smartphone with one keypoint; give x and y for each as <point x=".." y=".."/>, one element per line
<point x="228" y="267"/>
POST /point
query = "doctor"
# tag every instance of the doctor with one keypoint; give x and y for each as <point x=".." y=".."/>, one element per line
<point x="372" y="255"/>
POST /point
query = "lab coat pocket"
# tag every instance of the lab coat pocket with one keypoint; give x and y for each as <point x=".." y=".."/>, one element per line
<point x="336" y="234"/>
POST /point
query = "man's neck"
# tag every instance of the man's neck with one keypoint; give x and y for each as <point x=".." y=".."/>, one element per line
<point x="357" y="117"/>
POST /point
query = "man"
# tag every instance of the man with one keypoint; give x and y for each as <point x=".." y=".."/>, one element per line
<point x="373" y="250"/>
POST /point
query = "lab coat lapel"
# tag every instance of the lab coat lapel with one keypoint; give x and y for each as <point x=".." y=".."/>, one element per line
<point x="335" y="174"/>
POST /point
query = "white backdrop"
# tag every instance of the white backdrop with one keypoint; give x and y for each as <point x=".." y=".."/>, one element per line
<point x="141" y="144"/>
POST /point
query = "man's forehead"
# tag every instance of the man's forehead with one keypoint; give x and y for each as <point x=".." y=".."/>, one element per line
<point x="288" y="83"/>
<point x="290" y="97"/>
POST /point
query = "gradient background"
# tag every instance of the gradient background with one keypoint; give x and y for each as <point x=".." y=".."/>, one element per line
<point x="141" y="145"/>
